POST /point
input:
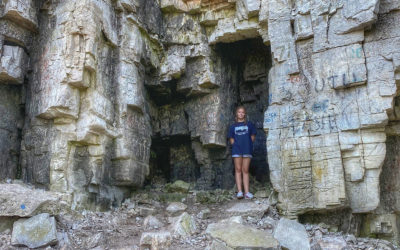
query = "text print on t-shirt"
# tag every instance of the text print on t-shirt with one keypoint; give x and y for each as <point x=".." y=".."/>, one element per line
<point x="241" y="130"/>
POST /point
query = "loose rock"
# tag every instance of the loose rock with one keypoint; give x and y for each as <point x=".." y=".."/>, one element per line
<point x="152" y="222"/>
<point x="184" y="225"/>
<point x="291" y="234"/>
<point x="156" y="240"/>
<point x="19" y="200"/>
<point x="175" y="208"/>
<point x="179" y="186"/>
<point x="238" y="236"/>
<point x="38" y="231"/>
<point x="248" y="208"/>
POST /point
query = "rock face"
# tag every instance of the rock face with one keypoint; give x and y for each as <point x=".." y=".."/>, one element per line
<point x="324" y="137"/>
<point x="97" y="96"/>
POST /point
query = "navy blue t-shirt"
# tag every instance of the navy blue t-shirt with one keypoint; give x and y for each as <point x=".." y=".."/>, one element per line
<point x="241" y="132"/>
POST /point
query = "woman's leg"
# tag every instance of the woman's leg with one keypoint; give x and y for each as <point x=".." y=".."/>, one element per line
<point x="238" y="172"/>
<point x="245" y="171"/>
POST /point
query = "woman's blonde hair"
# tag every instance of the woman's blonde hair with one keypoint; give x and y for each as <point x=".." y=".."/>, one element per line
<point x="245" y="113"/>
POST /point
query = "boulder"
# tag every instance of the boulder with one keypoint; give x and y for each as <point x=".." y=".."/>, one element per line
<point x="238" y="236"/>
<point x="184" y="225"/>
<point x="291" y="234"/>
<point x="21" y="201"/>
<point x="37" y="231"/>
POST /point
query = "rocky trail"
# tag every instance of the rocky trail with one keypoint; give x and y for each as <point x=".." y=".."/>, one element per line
<point x="170" y="217"/>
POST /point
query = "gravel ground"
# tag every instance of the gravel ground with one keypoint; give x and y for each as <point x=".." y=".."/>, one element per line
<point x="121" y="228"/>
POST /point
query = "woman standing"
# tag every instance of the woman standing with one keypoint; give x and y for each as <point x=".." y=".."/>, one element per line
<point x="241" y="136"/>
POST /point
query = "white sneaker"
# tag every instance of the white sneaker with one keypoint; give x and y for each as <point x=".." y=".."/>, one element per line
<point x="248" y="195"/>
<point x="239" y="195"/>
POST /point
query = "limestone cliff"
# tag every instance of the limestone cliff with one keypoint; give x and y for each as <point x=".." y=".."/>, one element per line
<point x="99" y="95"/>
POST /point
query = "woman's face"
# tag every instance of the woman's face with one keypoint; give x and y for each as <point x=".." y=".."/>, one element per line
<point x="240" y="113"/>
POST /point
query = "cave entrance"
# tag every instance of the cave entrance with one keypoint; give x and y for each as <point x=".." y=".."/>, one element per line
<point x="251" y="60"/>
<point x="189" y="119"/>
<point x="172" y="158"/>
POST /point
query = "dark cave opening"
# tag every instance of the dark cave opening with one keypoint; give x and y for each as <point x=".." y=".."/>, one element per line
<point x="177" y="152"/>
<point x="165" y="93"/>
<point x="253" y="60"/>
<point x="172" y="158"/>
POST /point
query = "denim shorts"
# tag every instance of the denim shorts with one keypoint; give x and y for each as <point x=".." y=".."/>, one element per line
<point x="236" y="155"/>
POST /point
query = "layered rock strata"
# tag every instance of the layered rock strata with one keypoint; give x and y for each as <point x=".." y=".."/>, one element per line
<point x="96" y="95"/>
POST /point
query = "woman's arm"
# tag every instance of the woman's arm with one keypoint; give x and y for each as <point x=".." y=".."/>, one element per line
<point x="253" y="138"/>
<point x="231" y="140"/>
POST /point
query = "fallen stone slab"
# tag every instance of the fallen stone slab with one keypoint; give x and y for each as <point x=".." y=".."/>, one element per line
<point x="21" y="201"/>
<point x="238" y="236"/>
<point x="248" y="208"/>
<point x="291" y="234"/>
<point x="156" y="240"/>
<point x="37" y="231"/>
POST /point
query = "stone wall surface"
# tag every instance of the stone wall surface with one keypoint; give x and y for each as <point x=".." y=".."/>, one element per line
<point x="327" y="115"/>
<point x="87" y="88"/>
